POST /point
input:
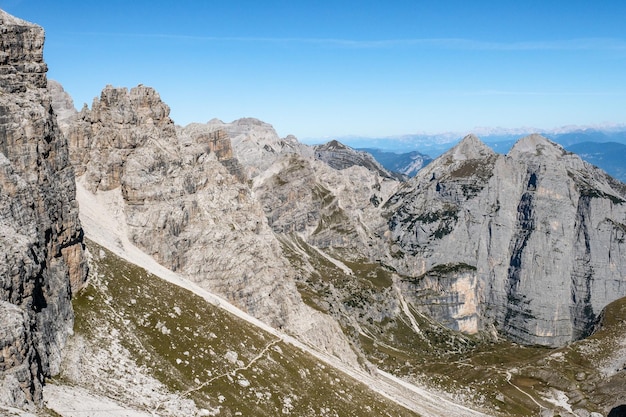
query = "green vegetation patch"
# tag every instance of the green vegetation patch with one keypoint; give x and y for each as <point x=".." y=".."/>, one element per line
<point x="477" y="168"/>
<point x="208" y="355"/>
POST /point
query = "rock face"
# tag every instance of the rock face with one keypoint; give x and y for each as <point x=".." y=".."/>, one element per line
<point x="531" y="244"/>
<point x="187" y="202"/>
<point x="329" y="208"/>
<point x="325" y="194"/>
<point x="42" y="257"/>
<point x="340" y="156"/>
<point x="255" y="143"/>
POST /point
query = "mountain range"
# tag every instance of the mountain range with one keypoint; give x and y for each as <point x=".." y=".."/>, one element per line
<point x="603" y="146"/>
<point x="218" y="269"/>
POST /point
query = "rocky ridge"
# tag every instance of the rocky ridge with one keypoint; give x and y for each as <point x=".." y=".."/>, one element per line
<point x="339" y="156"/>
<point x="186" y="201"/>
<point x="530" y="244"/>
<point x="42" y="258"/>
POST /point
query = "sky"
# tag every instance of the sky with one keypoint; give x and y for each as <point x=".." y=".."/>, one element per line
<point x="322" y="69"/>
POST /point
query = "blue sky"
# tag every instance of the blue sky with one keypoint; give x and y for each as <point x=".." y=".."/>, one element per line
<point x="332" y="68"/>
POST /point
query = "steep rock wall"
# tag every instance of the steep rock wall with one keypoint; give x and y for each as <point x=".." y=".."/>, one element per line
<point x="540" y="233"/>
<point x="42" y="257"/>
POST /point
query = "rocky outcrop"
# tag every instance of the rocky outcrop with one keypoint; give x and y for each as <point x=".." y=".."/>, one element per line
<point x="186" y="201"/>
<point x="255" y="144"/>
<point x="111" y="135"/>
<point x="339" y="156"/>
<point x="42" y="257"/>
<point x="219" y="144"/>
<point x="531" y="244"/>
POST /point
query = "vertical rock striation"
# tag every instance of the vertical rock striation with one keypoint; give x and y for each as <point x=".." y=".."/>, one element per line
<point x="41" y="249"/>
<point x="538" y="232"/>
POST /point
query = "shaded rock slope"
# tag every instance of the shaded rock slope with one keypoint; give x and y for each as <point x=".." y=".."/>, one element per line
<point x="531" y="244"/>
<point x="41" y="248"/>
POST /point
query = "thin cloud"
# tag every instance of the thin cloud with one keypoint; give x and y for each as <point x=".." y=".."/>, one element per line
<point x="444" y="43"/>
<point x="539" y="93"/>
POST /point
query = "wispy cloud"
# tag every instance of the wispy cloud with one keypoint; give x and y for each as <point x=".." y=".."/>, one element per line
<point x="540" y="93"/>
<point x="443" y="43"/>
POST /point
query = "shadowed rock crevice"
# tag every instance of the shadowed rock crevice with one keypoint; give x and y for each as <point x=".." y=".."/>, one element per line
<point x="583" y="316"/>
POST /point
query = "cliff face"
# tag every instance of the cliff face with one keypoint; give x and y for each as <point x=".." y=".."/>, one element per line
<point x="531" y="243"/>
<point x="186" y="201"/>
<point x="42" y="257"/>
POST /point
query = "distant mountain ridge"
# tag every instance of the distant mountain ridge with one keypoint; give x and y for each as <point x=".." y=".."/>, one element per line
<point x="578" y="139"/>
<point x="407" y="163"/>
<point x="610" y="156"/>
<point x="435" y="144"/>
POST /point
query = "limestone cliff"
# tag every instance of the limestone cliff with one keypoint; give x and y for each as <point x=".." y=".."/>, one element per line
<point x="41" y="238"/>
<point x="531" y="244"/>
<point x="187" y="202"/>
<point x="326" y="194"/>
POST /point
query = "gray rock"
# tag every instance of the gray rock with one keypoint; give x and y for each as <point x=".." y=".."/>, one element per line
<point x="340" y="157"/>
<point x="187" y="202"/>
<point x="531" y="243"/>
<point x="41" y="241"/>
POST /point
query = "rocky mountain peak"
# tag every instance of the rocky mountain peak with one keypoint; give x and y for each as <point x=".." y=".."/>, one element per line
<point x="333" y="145"/>
<point x="119" y="122"/>
<point x="141" y="105"/>
<point x="62" y="103"/>
<point x="249" y="122"/>
<point x="470" y="147"/>
<point x="536" y="145"/>
<point x="538" y="218"/>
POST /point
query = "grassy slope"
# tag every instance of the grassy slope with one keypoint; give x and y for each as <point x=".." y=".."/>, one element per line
<point x="500" y="376"/>
<point x="207" y="355"/>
